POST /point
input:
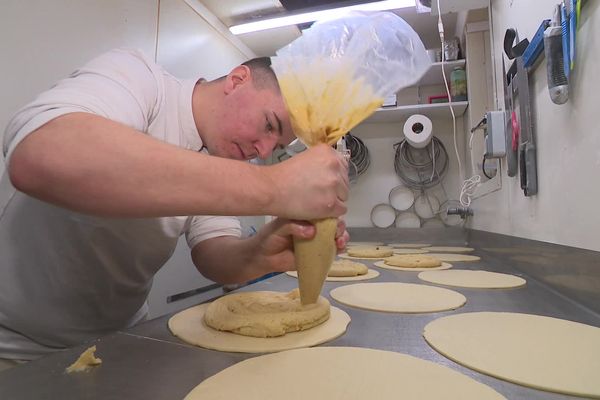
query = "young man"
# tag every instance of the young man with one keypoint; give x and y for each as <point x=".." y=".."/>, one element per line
<point x="111" y="165"/>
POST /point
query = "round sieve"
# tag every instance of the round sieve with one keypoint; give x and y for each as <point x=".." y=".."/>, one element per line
<point x="427" y="206"/>
<point x="408" y="219"/>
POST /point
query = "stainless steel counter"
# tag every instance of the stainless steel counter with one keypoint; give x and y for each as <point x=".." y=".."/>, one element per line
<point x="147" y="362"/>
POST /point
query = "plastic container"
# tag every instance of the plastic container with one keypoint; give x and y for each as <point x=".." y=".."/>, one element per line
<point x="458" y="84"/>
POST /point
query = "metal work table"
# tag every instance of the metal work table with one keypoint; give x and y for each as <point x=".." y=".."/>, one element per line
<point x="147" y="362"/>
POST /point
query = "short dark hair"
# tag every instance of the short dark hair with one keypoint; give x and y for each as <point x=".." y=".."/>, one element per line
<point x="263" y="75"/>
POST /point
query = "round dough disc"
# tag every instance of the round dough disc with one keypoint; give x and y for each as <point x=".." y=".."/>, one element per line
<point x="349" y="373"/>
<point x="452" y="257"/>
<point x="398" y="297"/>
<point x="382" y="264"/>
<point x="345" y="255"/>
<point x="365" y="244"/>
<point x="473" y="279"/>
<point x="369" y="275"/>
<point x="531" y="350"/>
<point x="410" y="251"/>
<point x="189" y="326"/>
<point x="409" y="245"/>
<point x="450" y="249"/>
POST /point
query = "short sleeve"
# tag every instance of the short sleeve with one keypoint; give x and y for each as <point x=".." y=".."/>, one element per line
<point x="121" y="85"/>
<point x="207" y="227"/>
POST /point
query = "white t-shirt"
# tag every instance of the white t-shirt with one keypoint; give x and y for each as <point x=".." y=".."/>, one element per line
<point x="67" y="277"/>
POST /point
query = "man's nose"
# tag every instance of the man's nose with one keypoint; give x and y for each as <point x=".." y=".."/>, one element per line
<point x="265" y="146"/>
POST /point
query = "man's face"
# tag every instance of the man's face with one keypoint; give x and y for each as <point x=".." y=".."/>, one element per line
<point x="254" y="121"/>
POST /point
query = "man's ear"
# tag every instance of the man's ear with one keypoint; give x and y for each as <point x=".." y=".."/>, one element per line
<point x="237" y="77"/>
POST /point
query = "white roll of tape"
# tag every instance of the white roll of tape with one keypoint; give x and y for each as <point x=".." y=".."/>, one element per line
<point x="418" y="131"/>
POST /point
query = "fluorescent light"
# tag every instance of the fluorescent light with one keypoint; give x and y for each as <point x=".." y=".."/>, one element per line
<point x="318" y="15"/>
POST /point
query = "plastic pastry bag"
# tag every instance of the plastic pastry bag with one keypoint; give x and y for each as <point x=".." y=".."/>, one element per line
<point x="332" y="78"/>
<point x="339" y="71"/>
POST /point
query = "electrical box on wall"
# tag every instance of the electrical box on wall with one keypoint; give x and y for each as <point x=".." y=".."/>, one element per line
<point x="495" y="139"/>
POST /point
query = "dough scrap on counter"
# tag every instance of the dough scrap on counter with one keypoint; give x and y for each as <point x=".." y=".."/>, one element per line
<point x="86" y="361"/>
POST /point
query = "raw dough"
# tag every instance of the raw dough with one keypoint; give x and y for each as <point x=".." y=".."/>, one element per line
<point x="348" y="373"/>
<point x="472" y="279"/>
<point x="313" y="258"/>
<point x="413" y="261"/>
<point x="382" y="264"/>
<point x="409" y="245"/>
<point x="86" y="361"/>
<point x="450" y="249"/>
<point x="351" y="244"/>
<point x="398" y="297"/>
<point x="371" y="273"/>
<point x="451" y="257"/>
<point x="265" y="314"/>
<point x="370" y="251"/>
<point x="410" y="251"/>
<point x="189" y="326"/>
<point x="347" y="268"/>
<point x="541" y="352"/>
<point x="346" y="256"/>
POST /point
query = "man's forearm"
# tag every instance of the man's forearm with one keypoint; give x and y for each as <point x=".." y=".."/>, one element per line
<point x="91" y="164"/>
<point x="228" y="259"/>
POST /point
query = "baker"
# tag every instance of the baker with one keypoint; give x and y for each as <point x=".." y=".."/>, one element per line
<point x="109" y="167"/>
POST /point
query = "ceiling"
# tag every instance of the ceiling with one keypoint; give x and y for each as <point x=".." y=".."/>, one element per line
<point x="266" y="43"/>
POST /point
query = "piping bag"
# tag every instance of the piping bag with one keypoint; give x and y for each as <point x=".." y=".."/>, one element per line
<point x="333" y="77"/>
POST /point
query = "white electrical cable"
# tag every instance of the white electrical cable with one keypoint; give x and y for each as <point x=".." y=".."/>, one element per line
<point x="469" y="185"/>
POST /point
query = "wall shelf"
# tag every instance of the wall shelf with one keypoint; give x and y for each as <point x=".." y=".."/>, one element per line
<point x="400" y="113"/>
<point x="433" y="76"/>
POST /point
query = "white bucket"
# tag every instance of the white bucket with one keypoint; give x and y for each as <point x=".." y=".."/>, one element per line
<point x="383" y="215"/>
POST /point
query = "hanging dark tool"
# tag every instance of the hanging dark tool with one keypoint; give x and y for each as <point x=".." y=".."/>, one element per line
<point x="520" y="145"/>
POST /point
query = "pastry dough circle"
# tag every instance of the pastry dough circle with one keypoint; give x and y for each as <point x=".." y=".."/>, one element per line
<point x="398" y="297"/>
<point x="450" y="249"/>
<point x="410" y="251"/>
<point x="472" y="279"/>
<point x="189" y="326"/>
<point x="371" y="273"/>
<point x="349" y="373"/>
<point x="452" y="257"/>
<point x="349" y="244"/>
<point x="413" y="261"/>
<point x="382" y="264"/>
<point x="409" y="245"/>
<point x="370" y="251"/>
<point x="531" y="350"/>
<point x="345" y="268"/>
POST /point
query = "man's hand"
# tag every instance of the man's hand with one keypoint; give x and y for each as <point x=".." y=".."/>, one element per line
<point x="275" y="246"/>
<point x="231" y="260"/>
<point x="314" y="184"/>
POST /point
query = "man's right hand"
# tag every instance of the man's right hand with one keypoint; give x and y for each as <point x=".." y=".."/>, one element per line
<point x="314" y="184"/>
